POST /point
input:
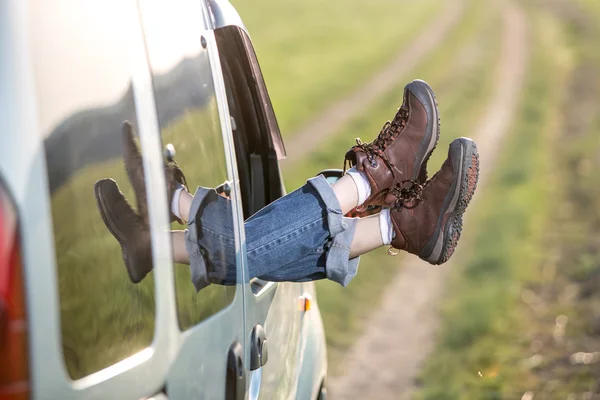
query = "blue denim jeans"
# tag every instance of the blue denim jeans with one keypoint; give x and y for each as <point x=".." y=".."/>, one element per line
<point x="302" y="236"/>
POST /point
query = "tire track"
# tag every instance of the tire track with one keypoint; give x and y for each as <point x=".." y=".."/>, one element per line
<point x="334" y="117"/>
<point x="386" y="359"/>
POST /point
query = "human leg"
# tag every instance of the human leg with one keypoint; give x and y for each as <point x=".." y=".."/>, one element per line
<point x="367" y="237"/>
<point x="305" y="223"/>
<point x="428" y="225"/>
<point x="369" y="234"/>
<point x="180" y="253"/>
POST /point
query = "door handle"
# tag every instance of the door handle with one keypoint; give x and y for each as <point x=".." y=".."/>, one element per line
<point x="235" y="383"/>
<point x="259" y="354"/>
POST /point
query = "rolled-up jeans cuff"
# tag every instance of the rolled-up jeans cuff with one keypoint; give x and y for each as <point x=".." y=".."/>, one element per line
<point x="199" y="273"/>
<point x="338" y="265"/>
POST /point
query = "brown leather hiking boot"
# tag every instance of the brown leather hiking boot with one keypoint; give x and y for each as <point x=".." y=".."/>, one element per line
<point x="428" y="220"/>
<point x="127" y="227"/>
<point x="135" y="171"/>
<point x="402" y="148"/>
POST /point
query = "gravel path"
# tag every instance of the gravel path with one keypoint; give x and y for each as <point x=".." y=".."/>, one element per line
<point x="386" y="359"/>
<point x="333" y="118"/>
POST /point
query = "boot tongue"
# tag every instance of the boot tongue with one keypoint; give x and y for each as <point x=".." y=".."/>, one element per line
<point x="350" y="157"/>
<point x="355" y="159"/>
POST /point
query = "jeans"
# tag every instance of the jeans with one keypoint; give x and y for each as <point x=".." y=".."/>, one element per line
<point x="300" y="237"/>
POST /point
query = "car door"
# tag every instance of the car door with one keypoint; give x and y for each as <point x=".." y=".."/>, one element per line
<point x="193" y="117"/>
<point x="94" y="334"/>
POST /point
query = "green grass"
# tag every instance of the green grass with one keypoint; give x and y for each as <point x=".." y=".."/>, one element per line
<point x="104" y="317"/>
<point x="313" y="52"/>
<point x="468" y="54"/>
<point x="483" y="348"/>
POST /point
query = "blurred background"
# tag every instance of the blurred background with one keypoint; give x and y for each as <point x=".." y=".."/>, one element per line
<point x="516" y="314"/>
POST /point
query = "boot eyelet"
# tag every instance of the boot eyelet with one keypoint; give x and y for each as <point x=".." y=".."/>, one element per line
<point x="373" y="163"/>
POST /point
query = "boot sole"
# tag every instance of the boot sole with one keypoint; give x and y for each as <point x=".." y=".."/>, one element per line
<point x="424" y="93"/>
<point x="447" y="236"/>
<point x="110" y="226"/>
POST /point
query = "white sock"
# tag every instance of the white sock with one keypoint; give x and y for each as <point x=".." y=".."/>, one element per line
<point x="386" y="226"/>
<point x="362" y="184"/>
<point x="175" y="201"/>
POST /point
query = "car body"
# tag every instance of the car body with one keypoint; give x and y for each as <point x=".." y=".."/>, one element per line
<point x="183" y="72"/>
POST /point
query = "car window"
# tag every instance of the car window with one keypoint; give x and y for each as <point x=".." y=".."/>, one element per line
<point x="83" y="85"/>
<point x="189" y="120"/>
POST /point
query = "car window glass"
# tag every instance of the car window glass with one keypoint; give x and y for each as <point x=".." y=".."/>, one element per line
<point x="81" y="52"/>
<point x="189" y="120"/>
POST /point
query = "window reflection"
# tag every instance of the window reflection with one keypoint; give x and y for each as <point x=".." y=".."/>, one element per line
<point x="189" y="119"/>
<point x="83" y="84"/>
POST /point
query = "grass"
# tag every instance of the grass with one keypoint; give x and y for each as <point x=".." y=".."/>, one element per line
<point x="312" y="53"/>
<point x="465" y="84"/>
<point x="526" y="298"/>
<point x="104" y="317"/>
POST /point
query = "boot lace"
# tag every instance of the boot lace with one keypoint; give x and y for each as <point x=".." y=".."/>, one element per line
<point x="408" y="193"/>
<point x="387" y="134"/>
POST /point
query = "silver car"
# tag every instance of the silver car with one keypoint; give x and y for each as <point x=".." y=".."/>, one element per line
<point x="72" y="325"/>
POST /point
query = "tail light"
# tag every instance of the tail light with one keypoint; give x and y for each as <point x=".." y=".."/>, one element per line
<point x="14" y="366"/>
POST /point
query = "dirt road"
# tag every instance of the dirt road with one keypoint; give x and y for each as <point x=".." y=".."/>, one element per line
<point x="387" y="358"/>
<point x="333" y="118"/>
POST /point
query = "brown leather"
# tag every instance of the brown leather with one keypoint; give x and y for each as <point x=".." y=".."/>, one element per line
<point x="407" y="131"/>
<point x="132" y="158"/>
<point x="135" y="172"/>
<point x="415" y="221"/>
<point x="127" y="227"/>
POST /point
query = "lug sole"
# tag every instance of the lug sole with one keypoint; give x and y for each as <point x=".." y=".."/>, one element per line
<point x="426" y="96"/>
<point x="451" y="231"/>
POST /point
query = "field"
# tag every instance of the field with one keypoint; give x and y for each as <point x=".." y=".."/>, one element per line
<point x="520" y="315"/>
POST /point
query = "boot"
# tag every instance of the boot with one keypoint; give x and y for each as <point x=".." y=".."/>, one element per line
<point x="127" y="227"/>
<point x="400" y="152"/>
<point x="428" y="220"/>
<point x="135" y="171"/>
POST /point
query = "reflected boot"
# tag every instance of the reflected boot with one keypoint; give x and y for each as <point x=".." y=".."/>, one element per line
<point x="127" y="227"/>
<point x="400" y="152"/>
<point x="428" y="220"/>
<point x="135" y="171"/>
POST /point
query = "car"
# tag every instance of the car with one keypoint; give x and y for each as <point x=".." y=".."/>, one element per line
<point x="72" y="325"/>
